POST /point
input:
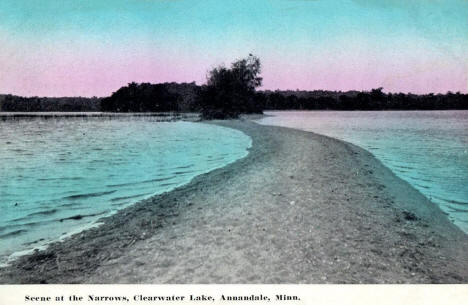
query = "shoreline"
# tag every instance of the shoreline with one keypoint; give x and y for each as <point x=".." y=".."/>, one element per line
<point x="299" y="208"/>
<point x="163" y="116"/>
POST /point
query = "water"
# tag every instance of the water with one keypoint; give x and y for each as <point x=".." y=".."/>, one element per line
<point x="428" y="149"/>
<point x="59" y="175"/>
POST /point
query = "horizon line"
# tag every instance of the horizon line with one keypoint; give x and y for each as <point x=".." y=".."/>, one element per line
<point x="259" y="90"/>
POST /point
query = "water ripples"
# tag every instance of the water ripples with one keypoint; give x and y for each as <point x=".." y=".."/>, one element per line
<point x="59" y="175"/>
<point x="426" y="148"/>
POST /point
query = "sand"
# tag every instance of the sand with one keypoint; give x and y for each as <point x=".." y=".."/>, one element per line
<point x="300" y="208"/>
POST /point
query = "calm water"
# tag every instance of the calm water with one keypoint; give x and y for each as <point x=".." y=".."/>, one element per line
<point x="59" y="175"/>
<point x="429" y="149"/>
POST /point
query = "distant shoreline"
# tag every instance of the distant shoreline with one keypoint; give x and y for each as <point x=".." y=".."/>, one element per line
<point x="300" y="208"/>
<point x="184" y="97"/>
<point x="91" y="114"/>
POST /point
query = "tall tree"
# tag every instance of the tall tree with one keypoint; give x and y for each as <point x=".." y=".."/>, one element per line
<point x="231" y="91"/>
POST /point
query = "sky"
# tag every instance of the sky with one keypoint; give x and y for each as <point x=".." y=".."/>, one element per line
<point x="93" y="47"/>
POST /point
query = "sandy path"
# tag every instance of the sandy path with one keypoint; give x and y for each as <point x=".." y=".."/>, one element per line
<point x="300" y="208"/>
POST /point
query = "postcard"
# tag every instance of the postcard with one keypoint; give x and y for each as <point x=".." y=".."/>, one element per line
<point x="266" y="151"/>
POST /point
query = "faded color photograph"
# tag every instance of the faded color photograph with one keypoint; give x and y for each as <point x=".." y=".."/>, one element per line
<point x="233" y="142"/>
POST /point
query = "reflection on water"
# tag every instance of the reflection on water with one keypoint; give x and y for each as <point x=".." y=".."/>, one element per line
<point x="59" y="175"/>
<point x="429" y="149"/>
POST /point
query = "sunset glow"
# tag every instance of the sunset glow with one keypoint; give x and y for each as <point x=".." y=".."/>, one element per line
<point x="93" y="47"/>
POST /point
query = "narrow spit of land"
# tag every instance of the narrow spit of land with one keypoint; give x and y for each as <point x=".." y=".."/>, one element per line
<point x="300" y="208"/>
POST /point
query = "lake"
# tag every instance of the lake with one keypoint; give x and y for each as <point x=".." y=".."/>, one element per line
<point x="59" y="175"/>
<point x="428" y="149"/>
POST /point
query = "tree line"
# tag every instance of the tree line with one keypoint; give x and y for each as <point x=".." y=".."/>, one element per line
<point x="231" y="91"/>
<point x="146" y="97"/>
<point x="13" y="103"/>
<point x="354" y="100"/>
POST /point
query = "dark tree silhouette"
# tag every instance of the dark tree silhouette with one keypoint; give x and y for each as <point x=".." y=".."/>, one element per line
<point x="361" y="100"/>
<point x="231" y="91"/>
<point x="148" y="97"/>
<point x="187" y="97"/>
<point x="33" y="104"/>
<point x="141" y="98"/>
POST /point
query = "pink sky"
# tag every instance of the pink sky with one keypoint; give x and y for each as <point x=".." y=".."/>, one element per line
<point x="98" y="68"/>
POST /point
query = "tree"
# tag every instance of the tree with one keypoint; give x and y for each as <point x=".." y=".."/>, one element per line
<point x="143" y="97"/>
<point x="231" y="91"/>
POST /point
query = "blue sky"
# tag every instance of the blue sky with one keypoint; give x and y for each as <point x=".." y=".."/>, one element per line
<point x="92" y="47"/>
